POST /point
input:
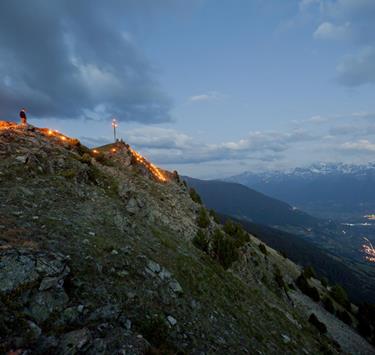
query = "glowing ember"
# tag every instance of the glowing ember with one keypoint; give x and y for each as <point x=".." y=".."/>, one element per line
<point x="114" y="150"/>
<point x="155" y="171"/>
<point x="55" y="133"/>
<point x="5" y="125"/>
<point x="369" y="251"/>
<point x="95" y="151"/>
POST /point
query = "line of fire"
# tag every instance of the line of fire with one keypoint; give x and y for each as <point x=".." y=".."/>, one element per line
<point x="111" y="149"/>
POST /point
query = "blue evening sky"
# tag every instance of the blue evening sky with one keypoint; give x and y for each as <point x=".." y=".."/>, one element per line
<point x="210" y="88"/>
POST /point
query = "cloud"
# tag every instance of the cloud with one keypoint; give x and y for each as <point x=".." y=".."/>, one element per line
<point x="357" y="69"/>
<point x="68" y="59"/>
<point x="352" y="21"/>
<point x="364" y="115"/>
<point x="356" y="9"/>
<point x="329" y="31"/>
<point x="167" y="146"/>
<point x="318" y="119"/>
<point x="155" y="137"/>
<point x="211" y="96"/>
<point x="356" y="121"/>
<point x="362" y="145"/>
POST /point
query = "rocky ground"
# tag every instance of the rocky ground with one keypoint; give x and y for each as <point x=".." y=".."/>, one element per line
<point x="96" y="257"/>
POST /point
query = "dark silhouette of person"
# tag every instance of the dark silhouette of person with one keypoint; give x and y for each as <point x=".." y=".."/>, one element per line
<point x="23" y="116"/>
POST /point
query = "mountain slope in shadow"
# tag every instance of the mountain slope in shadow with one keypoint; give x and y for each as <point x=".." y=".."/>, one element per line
<point x="244" y="203"/>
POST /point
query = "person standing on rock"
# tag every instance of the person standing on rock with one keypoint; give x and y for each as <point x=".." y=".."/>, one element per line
<point x="23" y="116"/>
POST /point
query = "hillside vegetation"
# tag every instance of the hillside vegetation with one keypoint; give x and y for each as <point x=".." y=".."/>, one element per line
<point x="99" y="256"/>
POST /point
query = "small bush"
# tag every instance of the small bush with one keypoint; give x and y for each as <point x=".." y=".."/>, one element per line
<point x="279" y="278"/>
<point x="308" y="290"/>
<point x="313" y="319"/>
<point x="102" y="159"/>
<point x="195" y="196"/>
<point x="200" y="241"/>
<point x="314" y="294"/>
<point x="345" y="317"/>
<point x="214" y="216"/>
<point x="309" y="272"/>
<point x="263" y="249"/>
<point x="81" y="149"/>
<point x="324" y="282"/>
<point x="224" y="249"/>
<point x="366" y="321"/>
<point x="236" y="231"/>
<point x="328" y="304"/>
<point x="155" y="330"/>
<point x="340" y="296"/>
<point x="203" y="219"/>
<point x="86" y="159"/>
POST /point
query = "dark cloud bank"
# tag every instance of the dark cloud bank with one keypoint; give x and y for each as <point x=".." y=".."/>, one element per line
<point x="71" y="59"/>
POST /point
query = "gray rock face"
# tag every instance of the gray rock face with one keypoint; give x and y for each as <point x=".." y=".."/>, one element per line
<point x="172" y="321"/>
<point x="23" y="269"/>
<point x="75" y="341"/>
<point x="42" y="275"/>
<point x="153" y="266"/>
<point x="16" y="270"/>
<point x="175" y="287"/>
<point x="132" y="206"/>
<point x="43" y="304"/>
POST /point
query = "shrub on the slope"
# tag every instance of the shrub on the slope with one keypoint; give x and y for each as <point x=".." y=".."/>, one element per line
<point x="313" y="319"/>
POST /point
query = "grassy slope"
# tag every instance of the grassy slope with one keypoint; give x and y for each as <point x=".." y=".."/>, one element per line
<point x="76" y="210"/>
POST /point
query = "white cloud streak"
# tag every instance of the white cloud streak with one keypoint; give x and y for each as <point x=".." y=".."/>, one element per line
<point x="329" y="31"/>
<point x="210" y="96"/>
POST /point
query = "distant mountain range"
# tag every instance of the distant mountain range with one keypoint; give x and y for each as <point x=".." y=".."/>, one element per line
<point x="247" y="204"/>
<point x="325" y="190"/>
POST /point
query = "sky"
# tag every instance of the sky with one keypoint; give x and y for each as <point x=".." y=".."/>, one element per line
<point x="209" y="88"/>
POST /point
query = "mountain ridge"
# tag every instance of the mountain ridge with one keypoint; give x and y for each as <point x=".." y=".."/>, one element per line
<point x="240" y="201"/>
<point x="97" y="256"/>
<point x="326" y="190"/>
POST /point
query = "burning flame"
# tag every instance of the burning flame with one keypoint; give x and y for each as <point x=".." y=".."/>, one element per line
<point x="54" y="133"/>
<point x="369" y="251"/>
<point x="5" y="125"/>
<point x="155" y="171"/>
<point x="47" y="131"/>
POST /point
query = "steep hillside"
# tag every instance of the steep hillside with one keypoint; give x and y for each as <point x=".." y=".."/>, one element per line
<point x="98" y="256"/>
<point x="358" y="284"/>
<point x="242" y="202"/>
